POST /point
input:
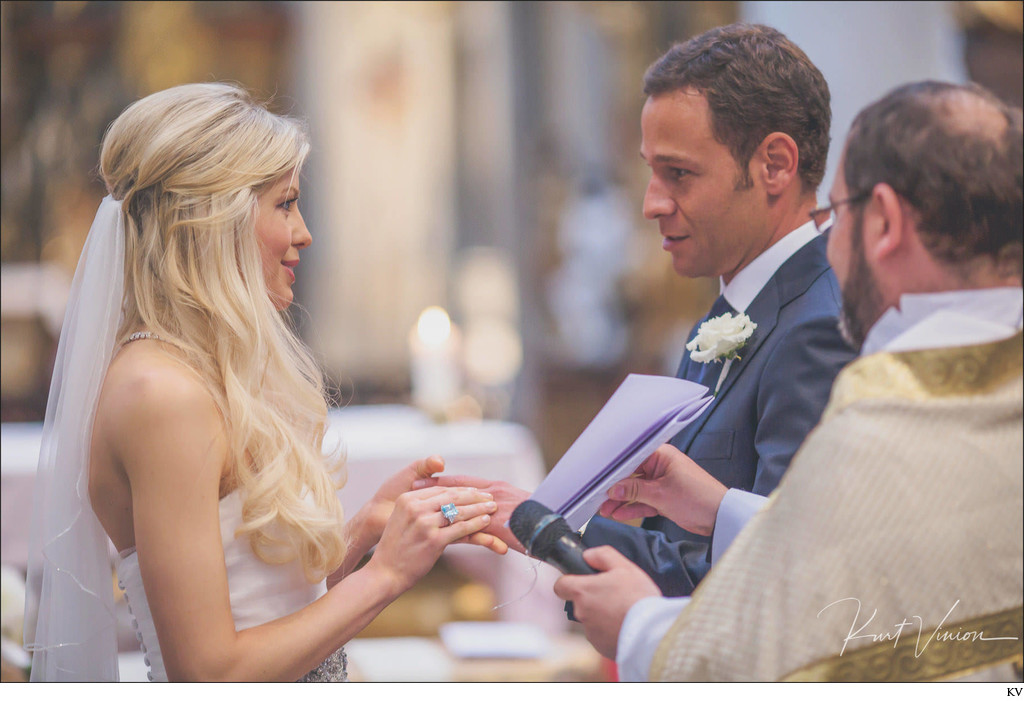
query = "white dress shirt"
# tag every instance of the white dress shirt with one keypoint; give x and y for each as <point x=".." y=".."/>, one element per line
<point x="748" y="282"/>
<point x="922" y="321"/>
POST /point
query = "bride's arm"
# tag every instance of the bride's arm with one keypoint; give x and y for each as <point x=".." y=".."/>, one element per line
<point x="168" y="435"/>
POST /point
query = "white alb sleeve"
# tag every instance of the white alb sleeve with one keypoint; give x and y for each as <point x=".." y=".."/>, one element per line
<point x="646" y="623"/>
<point x="736" y="509"/>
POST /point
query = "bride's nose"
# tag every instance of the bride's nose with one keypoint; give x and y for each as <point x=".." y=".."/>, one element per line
<point x="300" y="235"/>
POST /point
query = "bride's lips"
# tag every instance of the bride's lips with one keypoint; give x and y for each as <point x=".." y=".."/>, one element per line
<point x="288" y="265"/>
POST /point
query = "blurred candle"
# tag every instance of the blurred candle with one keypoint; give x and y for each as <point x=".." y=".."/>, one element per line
<point x="433" y="348"/>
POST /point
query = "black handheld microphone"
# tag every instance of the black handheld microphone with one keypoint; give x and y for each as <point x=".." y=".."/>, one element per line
<point x="546" y="536"/>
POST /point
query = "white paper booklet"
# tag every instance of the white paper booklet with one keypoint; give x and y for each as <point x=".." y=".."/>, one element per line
<point x="643" y="413"/>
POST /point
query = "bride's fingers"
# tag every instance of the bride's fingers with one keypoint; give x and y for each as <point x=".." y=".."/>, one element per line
<point x="468" y="511"/>
<point x="463" y="529"/>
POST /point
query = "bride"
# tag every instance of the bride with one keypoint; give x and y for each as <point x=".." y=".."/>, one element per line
<point x="185" y="424"/>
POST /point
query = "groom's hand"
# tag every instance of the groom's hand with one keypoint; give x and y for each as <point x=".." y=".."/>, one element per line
<point x="507" y="497"/>
<point x="670" y="484"/>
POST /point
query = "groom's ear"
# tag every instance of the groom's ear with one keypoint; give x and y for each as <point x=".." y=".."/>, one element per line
<point x="775" y="163"/>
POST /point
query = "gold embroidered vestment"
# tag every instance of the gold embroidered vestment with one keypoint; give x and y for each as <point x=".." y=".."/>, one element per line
<point x="892" y="548"/>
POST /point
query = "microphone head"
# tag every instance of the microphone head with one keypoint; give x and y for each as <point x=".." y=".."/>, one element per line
<point x="537" y="527"/>
<point x="547" y="536"/>
<point x="524" y="520"/>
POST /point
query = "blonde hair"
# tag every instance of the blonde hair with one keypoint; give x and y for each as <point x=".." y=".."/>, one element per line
<point x="188" y="164"/>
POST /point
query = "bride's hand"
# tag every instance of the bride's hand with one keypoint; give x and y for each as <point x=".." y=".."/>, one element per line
<point x="417" y="532"/>
<point x="377" y="512"/>
<point x="374" y="516"/>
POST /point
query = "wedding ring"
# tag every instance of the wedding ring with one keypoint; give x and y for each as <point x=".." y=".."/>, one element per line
<point x="450" y="512"/>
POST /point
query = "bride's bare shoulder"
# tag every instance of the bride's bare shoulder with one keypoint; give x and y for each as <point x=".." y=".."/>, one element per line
<point x="147" y="382"/>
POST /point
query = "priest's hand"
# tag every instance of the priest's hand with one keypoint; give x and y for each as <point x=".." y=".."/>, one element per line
<point x="601" y="601"/>
<point x="670" y="484"/>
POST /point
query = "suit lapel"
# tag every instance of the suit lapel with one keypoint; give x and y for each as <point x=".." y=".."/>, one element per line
<point x="763" y="311"/>
<point x="791" y="280"/>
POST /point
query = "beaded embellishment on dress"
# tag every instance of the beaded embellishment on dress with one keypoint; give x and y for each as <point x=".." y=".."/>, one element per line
<point x="333" y="669"/>
<point x="142" y="334"/>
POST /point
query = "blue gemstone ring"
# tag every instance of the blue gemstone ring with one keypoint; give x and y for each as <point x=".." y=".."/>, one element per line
<point x="450" y="512"/>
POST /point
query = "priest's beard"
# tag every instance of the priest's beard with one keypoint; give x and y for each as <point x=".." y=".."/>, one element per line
<point x="862" y="301"/>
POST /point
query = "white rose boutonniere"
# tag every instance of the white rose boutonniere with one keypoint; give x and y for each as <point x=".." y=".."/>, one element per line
<point x="719" y="339"/>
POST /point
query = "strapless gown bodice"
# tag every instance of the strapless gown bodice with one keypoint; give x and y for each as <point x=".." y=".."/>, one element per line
<point x="259" y="592"/>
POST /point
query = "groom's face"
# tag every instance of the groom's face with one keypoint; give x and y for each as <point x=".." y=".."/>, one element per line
<point x="709" y="216"/>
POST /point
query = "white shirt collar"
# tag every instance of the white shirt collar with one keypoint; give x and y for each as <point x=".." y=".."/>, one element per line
<point x="749" y="281"/>
<point x="945" y="319"/>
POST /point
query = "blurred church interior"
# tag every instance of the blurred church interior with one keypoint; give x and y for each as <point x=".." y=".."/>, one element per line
<point x="481" y="276"/>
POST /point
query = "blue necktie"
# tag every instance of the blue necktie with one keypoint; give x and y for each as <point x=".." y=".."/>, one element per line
<point x="720" y="307"/>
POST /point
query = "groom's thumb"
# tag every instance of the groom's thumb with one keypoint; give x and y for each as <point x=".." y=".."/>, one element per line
<point x="631" y="489"/>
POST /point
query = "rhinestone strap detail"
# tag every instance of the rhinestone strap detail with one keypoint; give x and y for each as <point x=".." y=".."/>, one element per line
<point x="142" y="334"/>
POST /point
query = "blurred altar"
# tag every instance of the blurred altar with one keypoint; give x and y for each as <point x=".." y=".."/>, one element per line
<point x="481" y="277"/>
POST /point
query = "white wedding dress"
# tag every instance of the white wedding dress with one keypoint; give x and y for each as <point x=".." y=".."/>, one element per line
<point x="259" y="593"/>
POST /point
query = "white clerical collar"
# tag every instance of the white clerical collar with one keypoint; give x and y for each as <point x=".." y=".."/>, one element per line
<point x="749" y="281"/>
<point x="944" y="319"/>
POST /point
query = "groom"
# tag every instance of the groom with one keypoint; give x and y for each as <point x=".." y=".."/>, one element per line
<point x="735" y="132"/>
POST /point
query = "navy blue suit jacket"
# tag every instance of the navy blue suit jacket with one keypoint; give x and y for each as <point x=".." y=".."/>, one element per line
<point x="768" y="403"/>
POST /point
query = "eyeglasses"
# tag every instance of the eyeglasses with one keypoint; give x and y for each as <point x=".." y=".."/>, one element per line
<point x="821" y="212"/>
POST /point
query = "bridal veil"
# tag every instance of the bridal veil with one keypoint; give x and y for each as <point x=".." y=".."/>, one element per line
<point x="70" y="622"/>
